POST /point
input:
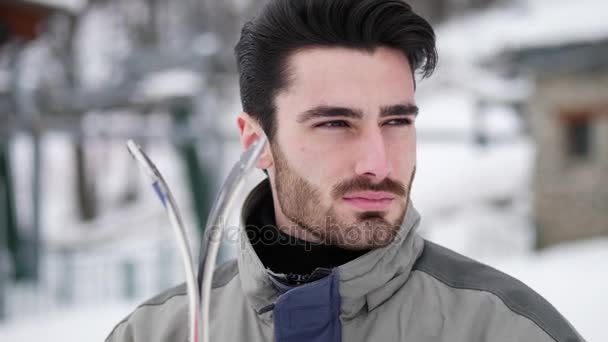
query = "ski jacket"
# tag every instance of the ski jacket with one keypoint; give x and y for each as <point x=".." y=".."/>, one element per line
<point x="411" y="290"/>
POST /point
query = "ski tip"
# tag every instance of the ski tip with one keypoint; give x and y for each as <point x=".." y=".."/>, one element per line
<point x="132" y="147"/>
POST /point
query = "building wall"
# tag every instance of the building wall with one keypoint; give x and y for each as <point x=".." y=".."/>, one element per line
<point x="21" y="19"/>
<point x="571" y="193"/>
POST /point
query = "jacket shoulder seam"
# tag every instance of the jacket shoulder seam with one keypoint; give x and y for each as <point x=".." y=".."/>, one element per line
<point x="459" y="272"/>
<point x="229" y="268"/>
<point x="149" y="303"/>
<point x="496" y="293"/>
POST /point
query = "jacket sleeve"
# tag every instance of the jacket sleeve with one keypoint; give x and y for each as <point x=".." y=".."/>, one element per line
<point x="122" y="332"/>
<point x="164" y="318"/>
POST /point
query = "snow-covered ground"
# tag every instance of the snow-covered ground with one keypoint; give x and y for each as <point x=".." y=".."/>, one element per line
<point x="81" y="324"/>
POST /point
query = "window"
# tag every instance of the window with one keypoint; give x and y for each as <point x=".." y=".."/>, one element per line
<point x="578" y="129"/>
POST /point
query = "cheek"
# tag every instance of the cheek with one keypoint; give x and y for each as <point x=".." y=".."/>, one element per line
<point x="403" y="156"/>
<point x="321" y="164"/>
<point x="325" y="162"/>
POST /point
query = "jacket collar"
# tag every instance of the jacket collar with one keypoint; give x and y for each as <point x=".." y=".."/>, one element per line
<point x="364" y="283"/>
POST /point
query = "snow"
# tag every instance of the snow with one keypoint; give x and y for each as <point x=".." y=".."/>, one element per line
<point x="84" y="324"/>
<point x="523" y="24"/>
<point x="446" y="111"/>
<point x="451" y="176"/>
<point x="100" y="64"/>
<point x="70" y="5"/>
<point x="448" y="168"/>
<point x="168" y="83"/>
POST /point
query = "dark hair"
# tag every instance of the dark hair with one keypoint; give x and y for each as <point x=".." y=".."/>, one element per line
<point x="284" y="26"/>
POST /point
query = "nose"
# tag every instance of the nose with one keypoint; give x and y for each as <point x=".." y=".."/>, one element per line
<point x="373" y="161"/>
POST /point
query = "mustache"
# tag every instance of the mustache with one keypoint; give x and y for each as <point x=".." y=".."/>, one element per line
<point x="364" y="184"/>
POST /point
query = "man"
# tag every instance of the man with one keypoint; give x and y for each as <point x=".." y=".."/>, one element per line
<point x="329" y="249"/>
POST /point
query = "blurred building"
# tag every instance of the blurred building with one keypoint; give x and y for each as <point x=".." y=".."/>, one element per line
<point x="20" y="23"/>
<point x="569" y="121"/>
<point x="550" y="58"/>
<point x="87" y="74"/>
<point x="21" y="19"/>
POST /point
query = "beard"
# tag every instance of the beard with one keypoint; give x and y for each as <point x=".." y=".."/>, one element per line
<point x="301" y="203"/>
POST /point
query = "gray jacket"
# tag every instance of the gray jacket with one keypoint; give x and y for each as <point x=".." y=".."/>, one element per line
<point x="412" y="290"/>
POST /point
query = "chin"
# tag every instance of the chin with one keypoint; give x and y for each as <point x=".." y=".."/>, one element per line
<point x="365" y="236"/>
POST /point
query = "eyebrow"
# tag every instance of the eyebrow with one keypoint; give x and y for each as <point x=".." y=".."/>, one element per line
<point x="334" y="111"/>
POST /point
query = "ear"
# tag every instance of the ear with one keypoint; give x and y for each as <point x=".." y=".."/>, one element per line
<point x="250" y="131"/>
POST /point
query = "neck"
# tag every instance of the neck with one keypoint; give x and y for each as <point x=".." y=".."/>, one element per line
<point x="284" y="247"/>
<point x="284" y="253"/>
<point x="290" y="228"/>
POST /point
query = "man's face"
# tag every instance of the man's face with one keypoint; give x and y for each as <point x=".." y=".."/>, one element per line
<point x="345" y="149"/>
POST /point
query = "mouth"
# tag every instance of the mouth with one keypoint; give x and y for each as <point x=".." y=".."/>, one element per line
<point x="376" y="201"/>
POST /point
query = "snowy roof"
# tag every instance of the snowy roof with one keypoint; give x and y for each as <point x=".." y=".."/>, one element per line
<point x="526" y="24"/>
<point x="169" y="83"/>
<point x="572" y="57"/>
<point x="68" y="5"/>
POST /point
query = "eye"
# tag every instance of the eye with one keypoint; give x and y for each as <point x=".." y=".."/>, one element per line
<point x="333" y="124"/>
<point x="399" y="122"/>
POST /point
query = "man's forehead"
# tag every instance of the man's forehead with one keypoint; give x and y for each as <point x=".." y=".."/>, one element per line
<point x="341" y="59"/>
<point x="344" y="77"/>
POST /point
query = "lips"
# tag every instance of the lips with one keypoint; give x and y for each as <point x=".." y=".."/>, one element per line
<point x="369" y="200"/>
